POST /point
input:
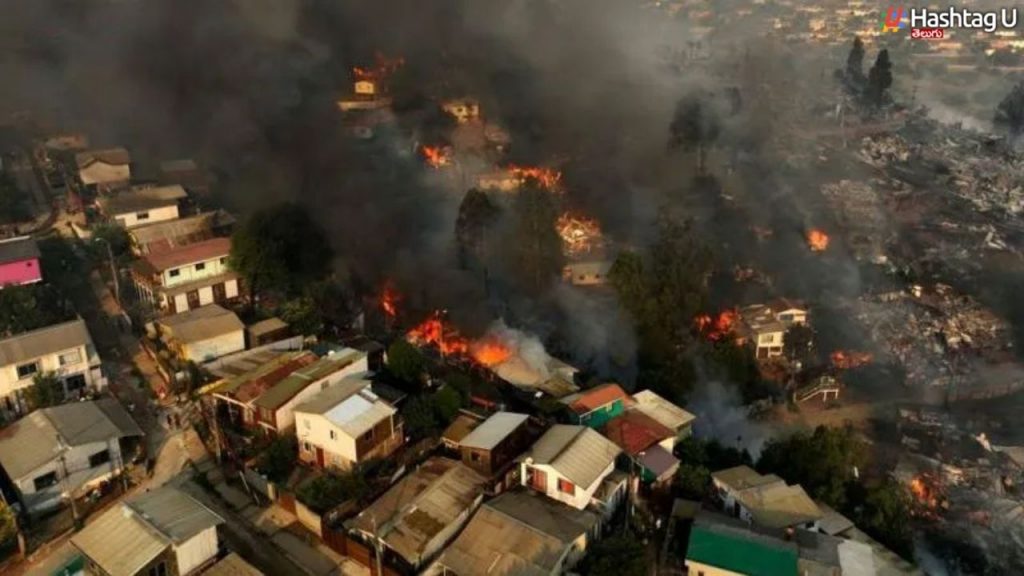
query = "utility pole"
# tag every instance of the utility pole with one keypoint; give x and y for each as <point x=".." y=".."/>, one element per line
<point x="377" y="546"/>
<point x="113" y="270"/>
<point x="64" y="478"/>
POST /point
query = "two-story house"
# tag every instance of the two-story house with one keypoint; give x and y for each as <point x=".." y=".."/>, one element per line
<point x="765" y="500"/>
<point x="161" y="532"/>
<point x="568" y="463"/>
<point x="596" y="406"/>
<point x="104" y="169"/>
<point x="168" y="235"/>
<point x="141" y="205"/>
<point x="19" y="261"/>
<point x="492" y="447"/>
<point x="764" y="326"/>
<point x="65" y="350"/>
<point x="187" y="277"/>
<point x="346" y="424"/>
<point x="63" y="451"/>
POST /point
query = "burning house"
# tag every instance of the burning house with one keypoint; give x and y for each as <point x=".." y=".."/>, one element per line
<point x="764" y="326"/>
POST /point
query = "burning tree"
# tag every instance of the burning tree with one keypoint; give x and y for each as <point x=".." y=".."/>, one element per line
<point x="716" y="327"/>
<point x="817" y="240"/>
<point x="436" y="156"/>
<point x="580" y="235"/>
<point x="547" y="178"/>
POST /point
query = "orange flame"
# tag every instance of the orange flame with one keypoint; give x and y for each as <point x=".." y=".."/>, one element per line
<point x="383" y="67"/>
<point x="433" y="332"/>
<point x="925" y="492"/>
<point x="436" y="156"/>
<point x="716" y="327"/>
<point x="548" y="178"/>
<point x="490" y="352"/>
<point x="580" y="235"/>
<point x="817" y="240"/>
<point x="846" y="360"/>
<point x="389" y="301"/>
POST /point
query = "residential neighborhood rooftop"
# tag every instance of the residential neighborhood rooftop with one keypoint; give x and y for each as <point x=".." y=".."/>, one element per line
<point x="660" y="409"/>
<point x="420" y="506"/>
<point x="34" y="344"/>
<point x="350" y="405"/>
<point x="141" y="198"/>
<point x="202" y="323"/>
<point x="171" y="234"/>
<point x="114" y="156"/>
<point x="286" y="389"/>
<point x="590" y="400"/>
<point x="190" y="254"/>
<point x="577" y="452"/>
<point x="493" y="430"/>
<point x="740" y="552"/>
<point x="635" y="431"/>
<point x="18" y="249"/>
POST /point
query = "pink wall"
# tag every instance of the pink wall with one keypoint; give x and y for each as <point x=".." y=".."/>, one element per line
<point x="20" y="272"/>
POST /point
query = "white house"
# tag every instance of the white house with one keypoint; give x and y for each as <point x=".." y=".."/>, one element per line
<point x="346" y="424"/>
<point x="187" y="277"/>
<point x="764" y="326"/>
<point x="107" y="169"/>
<point x="765" y="500"/>
<point x="64" y="350"/>
<point x="139" y="205"/>
<point x="203" y="334"/>
<point x="62" y="451"/>
<point x="161" y="532"/>
<point x="568" y="463"/>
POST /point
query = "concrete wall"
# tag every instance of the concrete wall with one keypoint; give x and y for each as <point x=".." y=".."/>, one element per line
<point x="80" y="476"/>
<point x="9" y="381"/>
<point x="143" y="217"/>
<point x="581" y="496"/>
<point x="195" y="271"/>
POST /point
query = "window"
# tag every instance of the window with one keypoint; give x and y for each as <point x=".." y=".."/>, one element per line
<point x="27" y="370"/>
<point x="142" y="215"/>
<point x="566" y="487"/>
<point x="332" y="434"/>
<point x="306" y="447"/>
<point x="158" y="570"/>
<point x="766" y="338"/>
<point x="223" y="260"/>
<point x="786" y="317"/>
<point x="45" y="481"/>
<point x="174" y="272"/>
<point x="369" y="435"/>
<point x="201" y="266"/>
<point x="101" y="457"/>
<point x="73" y="357"/>
<point x="474" y="456"/>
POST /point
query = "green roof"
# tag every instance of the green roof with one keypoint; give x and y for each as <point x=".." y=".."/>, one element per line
<point x="286" y="389"/>
<point x="738" y="554"/>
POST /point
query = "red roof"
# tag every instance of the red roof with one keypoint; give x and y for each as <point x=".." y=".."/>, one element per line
<point x="635" y="432"/>
<point x="190" y="254"/>
<point x="590" y="400"/>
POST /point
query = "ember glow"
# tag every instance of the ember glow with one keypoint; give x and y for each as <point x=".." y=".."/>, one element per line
<point x="847" y="360"/>
<point x="490" y="352"/>
<point x="436" y="156"/>
<point x="547" y="177"/>
<point x="716" y="327"/>
<point x="580" y="235"/>
<point x="389" y="301"/>
<point x="817" y="240"/>
<point x="926" y="495"/>
<point x="382" y="67"/>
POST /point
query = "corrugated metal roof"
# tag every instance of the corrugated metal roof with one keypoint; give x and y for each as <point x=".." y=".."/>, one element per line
<point x="113" y="156"/>
<point x="189" y="254"/>
<point x="635" y="431"/>
<point x="665" y="412"/>
<point x="202" y="323"/>
<point x="493" y="430"/>
<point x="163" y="236"/>
<point x="419" y="506"/>
<point x="267" y="326"/>
<point x="32" y="441"/>
<point x="779" y="505"/>
<point x="286" y="389"/>
<point x="742" y="477"/>
<point x="460" y="428"/>
<point x="232" y="565"/>
<point x="351" y="405"/>
<point x="128" y="537"/>
<point x="576" y="452"/>
<point x="119" y="542"/>
<point x="517" y="534"/>
<point x="597" y="397"/>
<point x="173" y="513"/>
<point x="49" y="340"/>
<point x="17" y="249"/>
<point x="138" y="199"/>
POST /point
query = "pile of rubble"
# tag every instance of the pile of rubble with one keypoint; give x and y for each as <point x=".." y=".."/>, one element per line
<point x="858" y="209"/>
<point x="882" y="150"/>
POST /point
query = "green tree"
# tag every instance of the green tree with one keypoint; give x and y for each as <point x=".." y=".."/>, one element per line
<point x="13" y="203"/>
<point x="420" y="417"/>
<point x="279" y="458"/>
<point x="303" y="316"/>
<point x="535" y="248"/>
<point x="46" y="390"/>
<point x="879" y="80"/>
<point x="885" y="513"/>
<point x="280" y="249"/>
<point x="797" y="342"/>
<point x="477" y="215"/>
<point x="1010" y="112"/>
<point x="116" y="236"/>
<point x="8" y="524"/>
<point x="691" y="481"/>
<point x="330" y="490"/>
<point x="405" y="362"/>
<point x="447" y="402"/>
<point x="619" y="554"/>
<point x="821" y="461"/>
<point x="695" y="126"/>
<point x="24" y="308"/>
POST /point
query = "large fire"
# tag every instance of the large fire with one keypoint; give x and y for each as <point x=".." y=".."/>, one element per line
<point x="716" y="327"/>
<point x="847" y="360"/>
<point x="547" y="177"/>
<point x="488" y="351"/>
<point x="927" y="495"/>
<point x="580" y="235"/>
<point x="436" y="156"/>
<point x="817" y="240"/>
